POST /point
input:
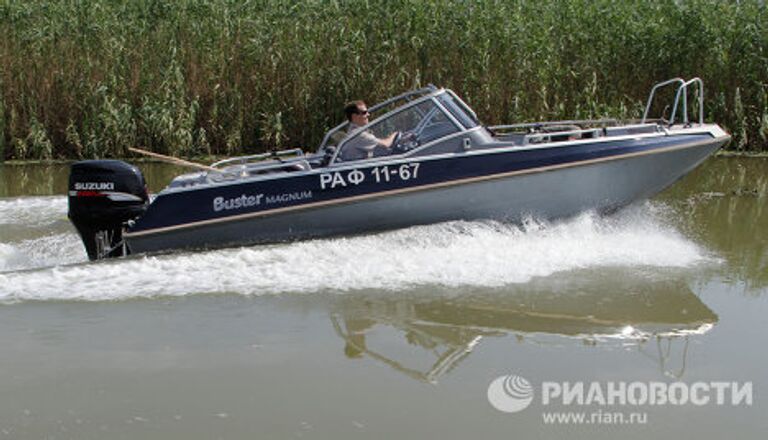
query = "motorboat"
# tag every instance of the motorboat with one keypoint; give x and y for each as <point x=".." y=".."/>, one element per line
<point x="442" y="164"/>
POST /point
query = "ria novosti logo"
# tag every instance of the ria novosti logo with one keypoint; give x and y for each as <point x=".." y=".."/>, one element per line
<point x="510" y="393"/>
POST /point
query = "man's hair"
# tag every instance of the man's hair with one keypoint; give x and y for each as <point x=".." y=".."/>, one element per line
<point x="351" y="108"/>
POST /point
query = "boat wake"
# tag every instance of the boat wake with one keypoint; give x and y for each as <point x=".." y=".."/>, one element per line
<point x="455" y="254"/>
<point x="46" y="251"/>
<point x="35" y="233"/>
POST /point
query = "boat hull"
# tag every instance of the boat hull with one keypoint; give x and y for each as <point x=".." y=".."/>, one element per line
<point x="553" y="189"/>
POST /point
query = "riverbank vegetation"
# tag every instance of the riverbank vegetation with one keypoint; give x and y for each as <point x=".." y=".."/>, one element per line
<point x="90" y="78"/>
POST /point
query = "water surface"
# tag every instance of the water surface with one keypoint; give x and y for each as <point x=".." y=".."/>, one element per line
<point x="390" y="335"/>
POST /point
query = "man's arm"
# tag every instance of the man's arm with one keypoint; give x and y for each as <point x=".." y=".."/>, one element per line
<point x="387" y="141"/>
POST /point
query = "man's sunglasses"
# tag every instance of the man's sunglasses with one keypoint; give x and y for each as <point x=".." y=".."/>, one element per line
<point x="363" y="112"/>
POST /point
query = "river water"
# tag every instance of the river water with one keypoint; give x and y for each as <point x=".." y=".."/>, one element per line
<point x="397" y="334"/>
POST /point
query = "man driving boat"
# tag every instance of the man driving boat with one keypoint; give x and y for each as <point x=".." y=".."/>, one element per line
<point x="363" y="145"/>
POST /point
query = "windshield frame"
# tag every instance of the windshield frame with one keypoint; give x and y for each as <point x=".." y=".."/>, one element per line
<point x="462" y="110"/>
<point x="430" y="97"/>
<point x="407" y="96"/>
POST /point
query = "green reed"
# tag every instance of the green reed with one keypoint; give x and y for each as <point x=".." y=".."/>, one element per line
<point x="88" y="78"/>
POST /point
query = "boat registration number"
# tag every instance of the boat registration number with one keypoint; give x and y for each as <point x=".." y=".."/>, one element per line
<point x="382" y="174"/>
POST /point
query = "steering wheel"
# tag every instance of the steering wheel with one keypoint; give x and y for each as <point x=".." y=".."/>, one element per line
<point x="404" y="141"/>
<point x="396" y="141"/>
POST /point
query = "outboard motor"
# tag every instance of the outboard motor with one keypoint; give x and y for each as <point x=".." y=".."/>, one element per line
<point x="103" y="196"/>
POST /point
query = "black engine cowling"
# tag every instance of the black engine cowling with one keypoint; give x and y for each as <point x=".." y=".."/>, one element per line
<point x="103" y="196"/>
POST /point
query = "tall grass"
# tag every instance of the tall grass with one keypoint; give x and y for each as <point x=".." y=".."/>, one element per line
<point x="88" y="78"/>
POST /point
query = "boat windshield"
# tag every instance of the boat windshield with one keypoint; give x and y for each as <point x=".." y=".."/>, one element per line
<point x="458" y="109"/>
<point x="413" y="126"/>
<point x="335" y="135"/>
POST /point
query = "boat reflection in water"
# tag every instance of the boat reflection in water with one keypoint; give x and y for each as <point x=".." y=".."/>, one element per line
<point x="654" y="317"/>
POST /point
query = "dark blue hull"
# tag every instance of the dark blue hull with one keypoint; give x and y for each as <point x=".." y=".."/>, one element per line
<point x="503" y="183"/>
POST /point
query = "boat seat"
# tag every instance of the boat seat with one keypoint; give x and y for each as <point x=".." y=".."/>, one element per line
<point x="279" y="167"/>
<point x="337" y="137"/>
<point x="301" y="166"/>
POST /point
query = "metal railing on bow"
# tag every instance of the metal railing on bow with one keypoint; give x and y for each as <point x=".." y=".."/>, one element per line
<point x="681" y="92"/>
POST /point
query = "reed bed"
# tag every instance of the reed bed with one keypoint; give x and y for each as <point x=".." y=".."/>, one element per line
<point x="89" y="78"/>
